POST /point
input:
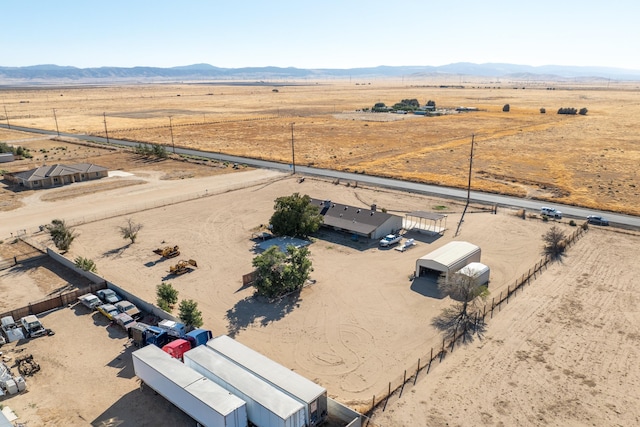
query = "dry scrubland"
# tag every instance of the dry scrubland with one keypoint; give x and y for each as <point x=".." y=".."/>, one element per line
<point x="585" y="160"/>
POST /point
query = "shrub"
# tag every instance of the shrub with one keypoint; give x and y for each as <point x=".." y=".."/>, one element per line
<point x="572" y="223"/>
<point x="506" y="108"/>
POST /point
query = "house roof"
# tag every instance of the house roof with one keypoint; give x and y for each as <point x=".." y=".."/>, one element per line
<point x="360" y="220"/>
<point x="58" y="170"/>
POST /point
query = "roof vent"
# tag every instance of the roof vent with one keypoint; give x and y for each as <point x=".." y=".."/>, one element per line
<point x="358" y="211"/>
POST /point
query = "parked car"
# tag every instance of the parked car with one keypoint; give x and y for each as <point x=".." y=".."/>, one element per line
<point x="129" y="308"/>
<point x="90" y="301"/>
<point x="108" y="296"/>
<point x="124" y="321"/>
<point x="551" y="212"/>
<point x="108" y="310"/>
<point x="390" y="240"/>
<point x="597" y="220"/>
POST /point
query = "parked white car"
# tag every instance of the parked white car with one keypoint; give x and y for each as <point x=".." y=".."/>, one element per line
<point x="551" y="212"/>
<point x="390" y="240"/>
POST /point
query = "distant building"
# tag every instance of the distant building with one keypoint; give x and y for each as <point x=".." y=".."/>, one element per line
<point x="57" y="175"/>
<point x="6" y="157"/>
<point x="366" y="222"/>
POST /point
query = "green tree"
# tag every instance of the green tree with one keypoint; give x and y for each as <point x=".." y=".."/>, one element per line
<point x="130" y="230"/>
<point x="61" y="234"/>
<point x="189" y="313"/>
<point x="167" y="296"/>
<point x="86" y="264"/>
<point x="464" y="315"/>
<point x="295" y="216"/>
<point x="279" y="273"/>
<point x="554" y="242"/>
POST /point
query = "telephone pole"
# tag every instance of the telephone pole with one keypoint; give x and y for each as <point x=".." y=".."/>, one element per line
<point x="171" y="130"/>
<point x="56" y="119"/>
<point x="6" y="116"/>
<point x="468" y="187"/>
<point x="293" y="151"/>
<point x="104" y="115"/>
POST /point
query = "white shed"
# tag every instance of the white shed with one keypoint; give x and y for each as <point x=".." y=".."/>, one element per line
<point x="448" y="259"/>
<point x="478" y="271"/>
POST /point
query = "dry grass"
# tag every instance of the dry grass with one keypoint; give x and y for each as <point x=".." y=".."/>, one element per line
<point x="584" y="160"/>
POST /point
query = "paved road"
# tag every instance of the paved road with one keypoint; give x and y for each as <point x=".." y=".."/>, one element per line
<point x="454" y="193"/>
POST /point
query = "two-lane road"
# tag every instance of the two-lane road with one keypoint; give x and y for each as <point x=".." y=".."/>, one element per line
<point x="446" y="192"/>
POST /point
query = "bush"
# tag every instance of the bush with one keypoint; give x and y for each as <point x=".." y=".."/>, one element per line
<point x="572" y="223"/>
<point x="543" y="110"/>
<point x="506" y="108"/>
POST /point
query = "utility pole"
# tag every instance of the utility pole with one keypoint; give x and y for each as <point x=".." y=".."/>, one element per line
<point x="470" y="165"/>
<point x="293" y="151"/>
<point x="56" y="119"/>
<point x="6" y="116"/>
<point x="104" y="115"/>
<point x="171" y="130"/>
<point x="468" y="186"/>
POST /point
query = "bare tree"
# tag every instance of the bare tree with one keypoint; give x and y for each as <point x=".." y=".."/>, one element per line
<point x="554" y="242"/>
<point x="464" y="315"/>
<point x="130" y="230"/>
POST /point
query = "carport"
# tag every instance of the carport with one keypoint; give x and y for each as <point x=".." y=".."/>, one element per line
<point x="447" y="259"/>
<point x="428" y="222"/>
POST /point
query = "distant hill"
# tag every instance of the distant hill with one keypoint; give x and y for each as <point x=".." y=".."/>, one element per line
<point x="47" y="74"/>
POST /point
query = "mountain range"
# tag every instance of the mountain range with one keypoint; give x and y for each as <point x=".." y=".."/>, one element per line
<point x="43" y="74"/>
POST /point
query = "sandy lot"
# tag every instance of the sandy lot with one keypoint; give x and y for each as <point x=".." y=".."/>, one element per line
<point x="563" y="353"/>
<point x="358" y="327"/>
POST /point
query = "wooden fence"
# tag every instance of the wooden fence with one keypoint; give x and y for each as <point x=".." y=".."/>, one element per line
<point x="425" y="364"/>
<point x="52" y="302"/>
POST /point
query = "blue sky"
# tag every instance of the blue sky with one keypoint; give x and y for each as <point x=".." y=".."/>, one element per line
<point x="319" y="34"/>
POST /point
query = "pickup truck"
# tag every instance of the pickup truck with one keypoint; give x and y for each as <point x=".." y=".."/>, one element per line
<point x="32" y="326"/>
<point x="390" y="240"/>
<point x="90" y="301"/>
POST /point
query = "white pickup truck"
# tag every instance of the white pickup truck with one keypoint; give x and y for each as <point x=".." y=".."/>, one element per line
<point x="390" y="240"/>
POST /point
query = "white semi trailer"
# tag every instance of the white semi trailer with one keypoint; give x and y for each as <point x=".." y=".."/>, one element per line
<point x="266" y="405"/>
<point x="200" y="398"/>
<point x="310" y="394"/>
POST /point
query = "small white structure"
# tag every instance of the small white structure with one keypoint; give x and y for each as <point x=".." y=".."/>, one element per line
<point x="448" y="259"/>
<point x="477" y="271"/>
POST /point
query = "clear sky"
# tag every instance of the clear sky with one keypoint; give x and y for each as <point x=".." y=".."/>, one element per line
<point x="319" y="34"/>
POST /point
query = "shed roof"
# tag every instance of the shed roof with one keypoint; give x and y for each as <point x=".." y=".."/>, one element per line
<point x="473" y="269"/>
<point x="427" y="215"/>
<point x="449" y="254"/>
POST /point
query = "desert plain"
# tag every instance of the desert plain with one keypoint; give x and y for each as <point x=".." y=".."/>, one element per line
<point x="561" y="352"/>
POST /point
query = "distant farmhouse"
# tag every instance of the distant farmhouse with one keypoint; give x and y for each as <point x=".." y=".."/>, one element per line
<point x="365" y="222"/>
<point x="57" y="175"/>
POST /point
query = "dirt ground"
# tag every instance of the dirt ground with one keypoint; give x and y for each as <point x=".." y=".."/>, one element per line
<point x="357" y="328"/>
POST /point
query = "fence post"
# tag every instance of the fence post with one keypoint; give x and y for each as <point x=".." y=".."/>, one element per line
<point x="442" y="352"/>
<point x="387" y="399"/>
<point x="417" y="370"/>
<point x="500" y="301"/>
<point x="430" y="360"/>
<point x="404" y="381"/>
<point x="493" y="304"/>
<point x="508" y="292"/>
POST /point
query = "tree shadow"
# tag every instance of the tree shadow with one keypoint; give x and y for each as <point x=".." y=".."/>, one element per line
<point x="251" y="309"/>
<point x="117" y="252"/>
<point x="453" y="322"/>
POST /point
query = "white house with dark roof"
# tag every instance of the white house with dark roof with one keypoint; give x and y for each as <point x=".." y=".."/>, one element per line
<point x="57" y="175"/>
<point x="366" y="222"/>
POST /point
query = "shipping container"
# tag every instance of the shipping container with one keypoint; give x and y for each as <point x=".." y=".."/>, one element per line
<point x="310" y="394"/>
<point x="200" y="398"/>
<point x="266" y="405"/>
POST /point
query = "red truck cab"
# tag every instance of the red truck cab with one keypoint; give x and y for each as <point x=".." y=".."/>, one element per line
<point x="177" y="348"/>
